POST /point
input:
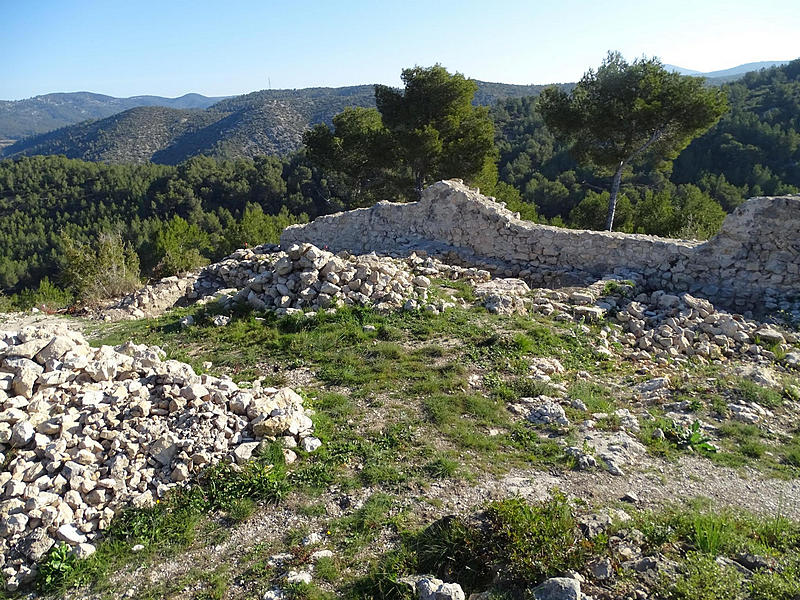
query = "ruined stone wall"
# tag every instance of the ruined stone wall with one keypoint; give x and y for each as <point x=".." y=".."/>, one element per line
<point x="753" y="261"/>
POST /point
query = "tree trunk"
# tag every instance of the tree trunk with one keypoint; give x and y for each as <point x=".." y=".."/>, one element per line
<point x="612" y="202"/>
<point x="418" y="184"/>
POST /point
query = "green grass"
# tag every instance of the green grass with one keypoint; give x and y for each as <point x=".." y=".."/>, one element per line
<point x="352" y="532"/>
<point x="597" y="398"/>
<point x="395" y="411"/>
<point x="517" y="543"/>
<point x="172" y="525"/>
<point x="745" y="390"/>
<point x="513" y="545"/>
<point x="703" y="579"/>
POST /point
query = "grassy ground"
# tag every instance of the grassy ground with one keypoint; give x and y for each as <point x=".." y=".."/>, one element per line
<point x="404" y="401"/>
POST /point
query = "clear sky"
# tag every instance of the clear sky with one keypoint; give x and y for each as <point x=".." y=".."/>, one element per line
<point x="226" y="47"/>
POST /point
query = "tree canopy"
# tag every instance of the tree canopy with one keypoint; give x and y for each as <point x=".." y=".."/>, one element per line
<point x="429" y="130"/>
<point x="625" y="112"/>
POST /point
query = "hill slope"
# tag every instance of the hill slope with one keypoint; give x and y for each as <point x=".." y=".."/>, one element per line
<point x="135" y="135"/>
<point x="265" y="122"/>
<point x="739" y="70"/>
<point x="40" y="114"/>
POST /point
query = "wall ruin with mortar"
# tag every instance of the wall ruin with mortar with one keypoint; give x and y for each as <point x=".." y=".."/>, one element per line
<point x="752" y="263"/>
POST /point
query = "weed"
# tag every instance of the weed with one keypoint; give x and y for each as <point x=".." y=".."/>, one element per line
<point x="745" y="390"/>
<point x="596" y="397"/>
<point x="624" y="288"/>
<point x="442" y="467"/>
<point x="364" y="524"/>
<point x="306" y="591"/>
<point x="523" y="437"/>
<point x="326" y="569"/>
<point x="704" y="579"/>
<point x="709" y="533"/>
<point x="240" y="510"/>
<point x="791" y="452"/>
<point x="56" y="567"/>
<point x="690" y="437"/>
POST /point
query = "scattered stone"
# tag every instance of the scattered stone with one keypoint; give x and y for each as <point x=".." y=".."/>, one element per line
<point x="299" y="577"/>
<point x="601" y="569"/>
<point x="545" y="410"/>
<point x="430" y="588"/>
<point x="558" y="588"/>
<point x="84" y="550"/>
<point x="22" y="434"/>
<point x="309" y="444"/>
<point x="631" y="497"/>
<point x="220" y="320"/>
<point x="770" y="336"/>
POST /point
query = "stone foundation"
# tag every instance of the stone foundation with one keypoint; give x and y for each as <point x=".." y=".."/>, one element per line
<point x="752" y="263"/>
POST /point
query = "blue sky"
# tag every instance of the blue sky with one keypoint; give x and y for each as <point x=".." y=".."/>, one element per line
<point x="171" y="47"/>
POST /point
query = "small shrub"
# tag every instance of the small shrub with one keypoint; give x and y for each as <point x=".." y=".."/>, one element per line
<point x="180" y="246"/>
<point x="56" y="567"/>
<point x="536" y="541"/>
<point x="47" y="297"/>
<point x="776" y="585"/>
<point x="105" y="269"/>
<point x="442" y="467"/>
<point x="453" y="550"/>
<point x="704" y="579"/>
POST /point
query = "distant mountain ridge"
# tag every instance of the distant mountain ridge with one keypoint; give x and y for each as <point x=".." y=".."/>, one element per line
<point x="170" y="130"/>
<point x="733" y="72"/>
<point x="40" y="114"/>
<point x="264" y="122"/>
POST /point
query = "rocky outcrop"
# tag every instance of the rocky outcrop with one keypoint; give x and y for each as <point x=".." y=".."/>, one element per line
<point x="753" y="262"/>
<point x="86" y="431"/>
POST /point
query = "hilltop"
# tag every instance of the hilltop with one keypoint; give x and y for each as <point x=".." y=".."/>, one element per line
<point x="293" y="423"/>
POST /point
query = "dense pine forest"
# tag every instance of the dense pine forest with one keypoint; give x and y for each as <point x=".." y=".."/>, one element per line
<point x="203" y="208"/>
<point x="753" y="150"/>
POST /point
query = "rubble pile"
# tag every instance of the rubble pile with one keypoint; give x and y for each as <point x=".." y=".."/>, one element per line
<point x="86" y="431"/>
<point x="308" y="278"/>
<point x="304" y="278"/>
<point x="659" y="325"/>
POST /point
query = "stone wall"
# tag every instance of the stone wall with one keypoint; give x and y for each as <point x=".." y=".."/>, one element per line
<point x="753" y="262"/>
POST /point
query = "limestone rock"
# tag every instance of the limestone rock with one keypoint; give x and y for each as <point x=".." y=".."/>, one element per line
<point x="558" y="588"/>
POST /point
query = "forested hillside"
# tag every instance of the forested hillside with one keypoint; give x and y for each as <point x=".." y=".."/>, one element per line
<point x="753" y="150"/>
<point x="40" y="114"/>
<point x="211" y="207"/>
<point x="265" y="122"/>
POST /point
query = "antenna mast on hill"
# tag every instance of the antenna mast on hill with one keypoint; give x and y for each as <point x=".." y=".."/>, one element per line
<point x="269" y="83"/>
